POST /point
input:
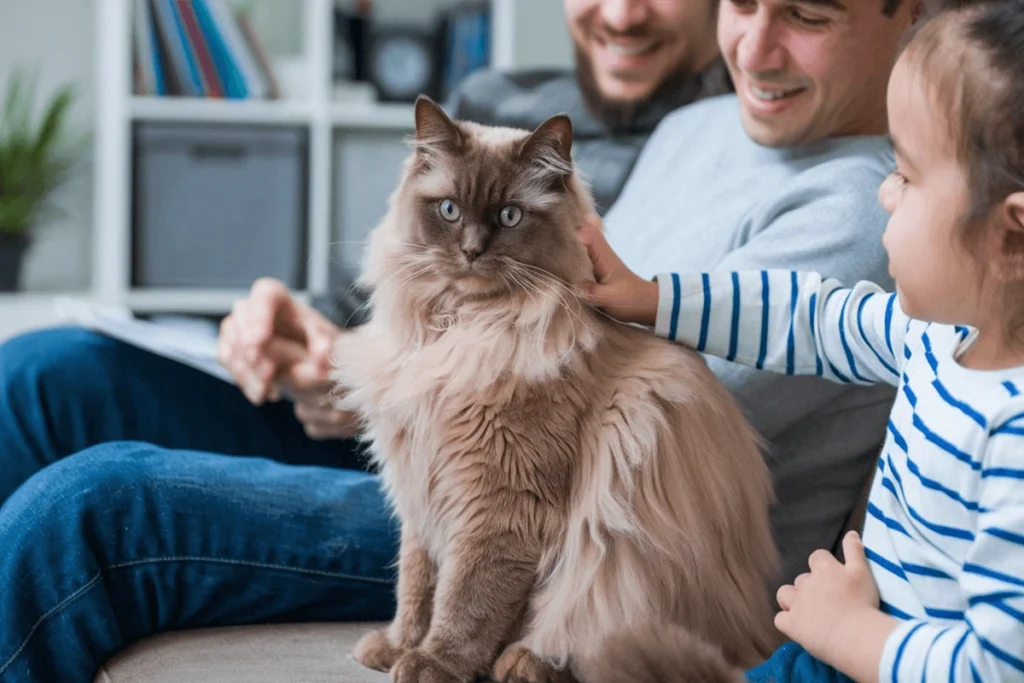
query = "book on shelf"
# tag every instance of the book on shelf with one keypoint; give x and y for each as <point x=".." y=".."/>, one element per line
<point x="199" y="48"/>
<point x="467" y="42"/>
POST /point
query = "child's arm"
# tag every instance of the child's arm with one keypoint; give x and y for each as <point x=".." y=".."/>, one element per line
<point x="987" y="642"/>
<point x="787" y="322"/>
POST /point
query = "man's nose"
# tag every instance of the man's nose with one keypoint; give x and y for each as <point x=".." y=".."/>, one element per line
<point x="624" y="15"/>
<point x="759" y="50"/>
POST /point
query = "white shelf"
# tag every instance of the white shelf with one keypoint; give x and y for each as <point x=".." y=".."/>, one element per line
<point x="392" y="116"/>
<point x="187" y="109"/>
<point x="328" y="121"/>
<point x="187" y="301"/>
<point x="24" y="311"/>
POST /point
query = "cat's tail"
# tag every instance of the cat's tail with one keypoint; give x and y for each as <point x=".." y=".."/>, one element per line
<point x="658" y="654"/>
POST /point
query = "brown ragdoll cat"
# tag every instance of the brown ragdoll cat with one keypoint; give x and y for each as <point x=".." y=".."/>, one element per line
<point x="564" y="482"/>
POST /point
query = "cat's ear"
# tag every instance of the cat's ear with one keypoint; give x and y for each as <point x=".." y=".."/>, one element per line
<point x="433" y="127"/>
<point x="550" y="145"/>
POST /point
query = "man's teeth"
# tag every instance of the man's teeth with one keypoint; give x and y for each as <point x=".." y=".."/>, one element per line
<point x="627" y="50"/>
<point x="770" y="95"/>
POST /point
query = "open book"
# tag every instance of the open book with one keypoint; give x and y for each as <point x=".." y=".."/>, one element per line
<point x="193" y="343"/>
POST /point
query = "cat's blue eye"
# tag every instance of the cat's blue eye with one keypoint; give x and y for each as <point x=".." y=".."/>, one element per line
<point x="449" y="210"/>
<point x="510" y="216"/>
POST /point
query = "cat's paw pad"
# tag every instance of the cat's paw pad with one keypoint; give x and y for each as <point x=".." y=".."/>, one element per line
<point x="519" y="665"/>
<point x="375" y="651"/>
<point x="416" y="666"/>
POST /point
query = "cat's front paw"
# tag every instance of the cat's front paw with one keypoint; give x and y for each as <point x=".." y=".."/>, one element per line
<point x="375" y="651"/>
<point x="519" y="665"/>
<point x="416" y="666"/>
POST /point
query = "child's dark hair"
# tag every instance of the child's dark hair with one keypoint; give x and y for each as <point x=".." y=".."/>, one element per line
<point x="972" y="54"/>
<point x="978" y="48"/>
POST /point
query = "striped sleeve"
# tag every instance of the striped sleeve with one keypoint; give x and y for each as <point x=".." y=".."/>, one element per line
<point x="787" y="322"/>
<point x="987" y="644"/>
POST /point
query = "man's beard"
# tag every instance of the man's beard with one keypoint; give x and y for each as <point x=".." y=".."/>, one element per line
<point x="680" y="86"/>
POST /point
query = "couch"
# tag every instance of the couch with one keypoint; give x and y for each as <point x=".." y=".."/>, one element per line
<point x="298" y="653"/>
<point x="294" y="653"/>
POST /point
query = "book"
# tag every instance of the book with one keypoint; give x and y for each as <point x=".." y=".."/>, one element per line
<point x="199" y="48"/>
<point x="189" y="343"/>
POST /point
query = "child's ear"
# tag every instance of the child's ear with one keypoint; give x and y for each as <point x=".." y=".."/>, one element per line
<point x="1010" y="231"/>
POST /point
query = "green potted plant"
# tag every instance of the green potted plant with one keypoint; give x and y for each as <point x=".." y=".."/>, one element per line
<point x="36" y="157"/>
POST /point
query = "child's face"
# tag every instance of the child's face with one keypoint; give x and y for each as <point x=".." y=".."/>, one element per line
<point x="936" y="279"/>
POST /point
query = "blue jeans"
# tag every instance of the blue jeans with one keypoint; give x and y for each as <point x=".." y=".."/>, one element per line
<point x="793" y="664"/>
<point x="139" y="496"/>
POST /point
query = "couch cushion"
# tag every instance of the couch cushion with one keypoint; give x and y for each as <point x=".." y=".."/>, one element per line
<point x="309" y="653"/>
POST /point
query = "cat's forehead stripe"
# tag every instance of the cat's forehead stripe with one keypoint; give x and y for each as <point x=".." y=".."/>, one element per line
<point x="485" y="174"/>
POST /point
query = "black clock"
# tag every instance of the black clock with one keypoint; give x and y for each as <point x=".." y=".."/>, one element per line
<point x="403" y="63"/>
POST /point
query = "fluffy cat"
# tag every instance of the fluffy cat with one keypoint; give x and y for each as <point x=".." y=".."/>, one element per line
<point x="558" y="476"/>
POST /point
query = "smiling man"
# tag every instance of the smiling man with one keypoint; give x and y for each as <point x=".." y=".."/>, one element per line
<point x="636" y="61"/>
<point x="812" y="70"/>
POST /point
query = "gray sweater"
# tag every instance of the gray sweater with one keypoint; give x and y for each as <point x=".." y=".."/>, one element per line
<point x="703" y="196"/>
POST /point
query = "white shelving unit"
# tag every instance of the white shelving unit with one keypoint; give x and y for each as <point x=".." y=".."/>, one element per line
<point x="326" y="119"/>
<point x="118" y="110"/>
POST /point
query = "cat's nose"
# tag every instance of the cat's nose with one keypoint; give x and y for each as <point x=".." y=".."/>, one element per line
<point x="473" y="242"/>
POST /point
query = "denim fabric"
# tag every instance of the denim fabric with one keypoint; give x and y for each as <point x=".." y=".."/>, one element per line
<point x="793" y="664"/>
<point x="140" y="496"/>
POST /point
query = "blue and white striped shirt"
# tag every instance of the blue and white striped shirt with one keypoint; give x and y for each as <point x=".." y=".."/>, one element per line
<point x="944" y="532"/>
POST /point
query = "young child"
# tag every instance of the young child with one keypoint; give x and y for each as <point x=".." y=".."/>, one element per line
<point x="936" y="590"/>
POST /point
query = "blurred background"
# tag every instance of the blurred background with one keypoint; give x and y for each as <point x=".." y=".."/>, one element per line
<point x="157" y="156"/>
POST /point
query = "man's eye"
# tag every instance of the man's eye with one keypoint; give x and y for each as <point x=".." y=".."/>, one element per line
<point x="806" y="19"/>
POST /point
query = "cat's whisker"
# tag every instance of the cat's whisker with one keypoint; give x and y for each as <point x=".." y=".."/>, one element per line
<point x="524" y="284"/>
<point x="557" y="289"/>
<point x="575" y="303"/>
<point x="555" y="294"/>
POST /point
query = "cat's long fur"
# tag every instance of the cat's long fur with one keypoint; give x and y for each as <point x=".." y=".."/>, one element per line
<point x="558" y="475"/>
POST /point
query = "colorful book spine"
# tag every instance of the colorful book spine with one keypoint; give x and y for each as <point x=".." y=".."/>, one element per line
<point x="181" y="54"/>
<point x="199" y="48"/>
<point x="227" y="68"/>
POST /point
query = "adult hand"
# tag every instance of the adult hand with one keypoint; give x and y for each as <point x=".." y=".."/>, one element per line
<point x="305" y="378"/>
<point x="248" y="345"/>
<point x="271" y="342"/>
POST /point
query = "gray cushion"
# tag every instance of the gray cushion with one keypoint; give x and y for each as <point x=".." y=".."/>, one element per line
<point x="300" y="653"/>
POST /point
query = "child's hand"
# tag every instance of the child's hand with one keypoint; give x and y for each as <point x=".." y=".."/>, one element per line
<point x="618" y="292"/>
<point x="825" y="608"/>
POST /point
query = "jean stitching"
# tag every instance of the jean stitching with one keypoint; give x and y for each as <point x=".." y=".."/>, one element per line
<point x="58" y="608"/>
<point x="185" y="558"/>
<point x="245" y="563"/>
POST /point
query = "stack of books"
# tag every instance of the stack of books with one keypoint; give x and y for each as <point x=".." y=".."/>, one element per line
<point x="199" y="48"/>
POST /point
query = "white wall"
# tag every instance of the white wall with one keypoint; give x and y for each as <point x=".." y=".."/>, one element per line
<point x="56" y="38"/>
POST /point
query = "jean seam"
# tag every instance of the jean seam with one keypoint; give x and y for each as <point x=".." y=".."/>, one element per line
<point x="245" y="563"/>
<point x="53" y="611"/>
<point x="184" y="558"/>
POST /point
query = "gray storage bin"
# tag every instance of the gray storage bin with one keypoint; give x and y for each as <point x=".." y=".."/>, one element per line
<point x="218" y="206"/>
<point x="368" y="166"/>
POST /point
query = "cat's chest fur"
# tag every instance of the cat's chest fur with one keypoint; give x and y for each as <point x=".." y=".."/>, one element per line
<point x="457" y="425"/>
